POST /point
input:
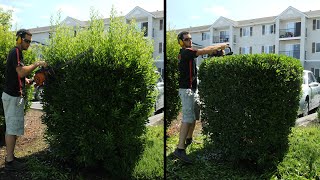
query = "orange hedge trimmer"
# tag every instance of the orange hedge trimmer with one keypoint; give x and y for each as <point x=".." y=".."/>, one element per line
<point x="42" y="74"/>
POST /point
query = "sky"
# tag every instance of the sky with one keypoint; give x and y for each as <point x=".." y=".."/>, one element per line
<point x="186" y="13"/>
<point x="37" y="13"/>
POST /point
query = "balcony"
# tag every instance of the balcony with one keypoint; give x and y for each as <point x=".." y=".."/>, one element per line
<point x="220" y="39"/>
<point x="295" y="53"/>
<point x="288" y="33"/>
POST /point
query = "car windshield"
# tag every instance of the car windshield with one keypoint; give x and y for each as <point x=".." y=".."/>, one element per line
<point x="305" y="78"/>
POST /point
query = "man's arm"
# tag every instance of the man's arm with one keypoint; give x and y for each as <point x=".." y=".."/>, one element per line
<point x="23" y="71"/>
<point x="211" y="49"/>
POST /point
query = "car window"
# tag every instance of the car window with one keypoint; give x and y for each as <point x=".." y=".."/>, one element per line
<point x="311" y="78"/>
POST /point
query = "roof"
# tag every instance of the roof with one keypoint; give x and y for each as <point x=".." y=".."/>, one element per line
<point x="40" y="29"/>
<point x="312" y="14"/>
<point x="158" y="14"/>
<point x="195" y="29"/>
<point x="256" y="21"/>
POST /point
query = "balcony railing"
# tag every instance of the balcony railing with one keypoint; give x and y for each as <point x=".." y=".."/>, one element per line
<point x="295" y="54"/>
<point x="220" y="39"/>
<point x="291" y="32"/>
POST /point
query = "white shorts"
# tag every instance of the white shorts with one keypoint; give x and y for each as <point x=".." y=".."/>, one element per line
<point x="188" y="100"/>
<point x="13" y="108"/>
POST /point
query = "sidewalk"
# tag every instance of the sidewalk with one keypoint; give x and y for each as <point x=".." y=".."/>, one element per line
<point x="304" y="121"/>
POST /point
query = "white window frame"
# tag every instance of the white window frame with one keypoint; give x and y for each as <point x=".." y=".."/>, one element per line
<point x="245" y="50"/>
<point x="205" y="36"/>
<point x="245" y="31"/>
<point x="317" y="23"/>
<point x="269" y="29"/>
<point x="317" y="50"/>
<point x="268" y="49"/>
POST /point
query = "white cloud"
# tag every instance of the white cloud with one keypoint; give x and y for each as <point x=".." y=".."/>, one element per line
<point x="217" y="10"/>
<point x="72" y="11"/>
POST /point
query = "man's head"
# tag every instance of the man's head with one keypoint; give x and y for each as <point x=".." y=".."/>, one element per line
<point x="184" y="39"/>
<point x="23" y="39"/>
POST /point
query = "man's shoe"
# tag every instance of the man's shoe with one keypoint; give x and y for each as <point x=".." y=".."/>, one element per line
<point x="181" y="154"/>
<point x="14" y="165"/>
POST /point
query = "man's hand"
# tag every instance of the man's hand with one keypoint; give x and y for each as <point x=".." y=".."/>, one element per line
<point x="41" y="63"/>
<point x="212" y="49"/>
<point x="29" y="81"/>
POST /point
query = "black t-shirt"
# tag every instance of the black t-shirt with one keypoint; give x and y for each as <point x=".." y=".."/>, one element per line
<point x="187" y="68"/>
<point x="14" y="86"/>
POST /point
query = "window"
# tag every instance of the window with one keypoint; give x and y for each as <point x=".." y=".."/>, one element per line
<point x="245" y="50"/>
<point x="224" y="36"/>
<point x="316" y="24"/>
<point x="268" y="49"/>
<point x="205" y="36"/>
<point x="144" y="27"/>
<point x="315" y="47"/>
<point x="246" y="31"/>
<point x="161" y="24"/>
<point x="268" y="29"/>
<point x="160" y="47"/>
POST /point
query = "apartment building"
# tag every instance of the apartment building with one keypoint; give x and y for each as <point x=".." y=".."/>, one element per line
<point x="153" y="22"/>
<point x="293" y="33"/>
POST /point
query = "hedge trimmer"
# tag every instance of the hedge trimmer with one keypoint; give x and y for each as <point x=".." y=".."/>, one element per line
<point x="43" y="73"/>
<point x="221" y="53"/>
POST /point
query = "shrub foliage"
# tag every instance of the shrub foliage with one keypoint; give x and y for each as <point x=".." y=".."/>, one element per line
<point x="173" y="103"/>
<point x="97" y="106"/>
<point x="250" y="102"/>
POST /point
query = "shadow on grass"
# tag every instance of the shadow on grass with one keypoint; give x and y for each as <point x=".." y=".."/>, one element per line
<point x="42" y="165"/>
<point x="209" y="165"/>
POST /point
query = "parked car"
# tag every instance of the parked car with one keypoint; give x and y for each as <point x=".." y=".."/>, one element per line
<point x="310" y="98"/>
<point x="38" y="92"/>
<point x="159" y="105"/>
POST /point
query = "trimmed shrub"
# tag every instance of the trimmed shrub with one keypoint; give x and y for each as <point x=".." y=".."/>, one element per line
<point x="173" y="102"/>
<point x="96" y="107"/>
<point x="250" y="103"/>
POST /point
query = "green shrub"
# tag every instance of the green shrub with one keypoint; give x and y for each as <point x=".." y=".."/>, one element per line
<point x="250" y="104"/>
<point x="96" y="108"/>
<point x="173" y="103"/>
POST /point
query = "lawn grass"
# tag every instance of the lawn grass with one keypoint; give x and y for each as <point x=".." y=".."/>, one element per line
<point x="151" y="165"/>
<point x="42" y="165"/>
<point x="302" y="160"/>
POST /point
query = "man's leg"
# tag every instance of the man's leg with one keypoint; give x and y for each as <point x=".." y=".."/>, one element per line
<point x="191" y="129"/>
<point x="10" y="145"/>
<point x="187" y="119"/>
<point x="14" y="117"/>
<point x="184" y="132"/>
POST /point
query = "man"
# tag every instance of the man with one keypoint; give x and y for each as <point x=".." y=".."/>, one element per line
<point x="13" y="96"/>
<point x="188" y="87"/>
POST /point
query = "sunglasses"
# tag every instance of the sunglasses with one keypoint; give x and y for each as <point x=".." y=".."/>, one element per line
<point x="26" y="40"/>
<point x="187" y="39"/>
